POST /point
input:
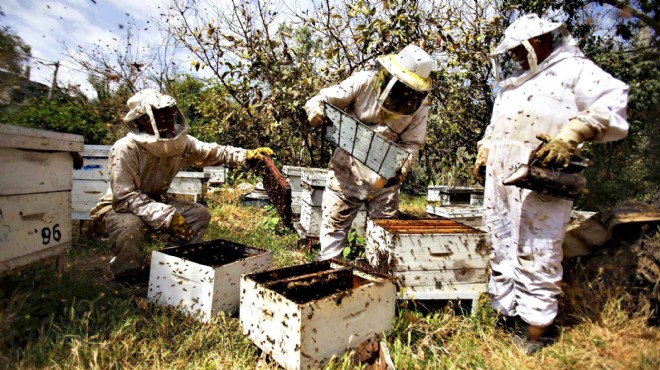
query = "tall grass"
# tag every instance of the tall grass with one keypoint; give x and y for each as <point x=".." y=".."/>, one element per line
<point x="80" y="319"/>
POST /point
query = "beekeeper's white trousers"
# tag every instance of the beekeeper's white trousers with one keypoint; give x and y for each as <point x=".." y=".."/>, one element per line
<point x="527" y="229"/>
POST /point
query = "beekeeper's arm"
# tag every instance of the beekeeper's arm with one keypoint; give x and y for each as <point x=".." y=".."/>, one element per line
<point x="127" y="196"/>
<point x="341" y="95"/>
<point x="601" y="102"/>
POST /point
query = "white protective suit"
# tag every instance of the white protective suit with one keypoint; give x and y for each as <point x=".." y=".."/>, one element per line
<point x="350" y="183"/>
<point x="141" y="170"/>
<point x="527" y="227"/>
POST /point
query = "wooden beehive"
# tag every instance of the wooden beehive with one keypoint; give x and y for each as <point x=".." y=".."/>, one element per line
<point x="90" y="182"/>
<point x="430" y="259"/>
<point x="304" y="315"/>
<point x="364" y="144"/>
<point x="35" y="194"/>
<point x="293" y="176"/>
<point x="193" y="184"/>
<point x="454" y="195"/>
<point x="203" y="279"/>
<point x="217" y="175"/>
<point x="466" y="214"/>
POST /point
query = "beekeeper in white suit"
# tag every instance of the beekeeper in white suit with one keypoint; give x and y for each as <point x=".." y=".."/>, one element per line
<point x="393" y="101"/>
<point x="142" y="166"/>
<point x="554" y="93"/>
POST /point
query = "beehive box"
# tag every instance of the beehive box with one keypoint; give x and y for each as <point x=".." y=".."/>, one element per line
<point x="304" y="315"/>
<point x="430" y="259"/>
<point x="203" y="279"/>
<point x="293" y="174"/>
<point x="190" y="183"/>
<point x="311" y="200"/>
<point x="367" y="146"/>
<point x="466" y="214"/>
<point x="90" y="182"/>
<point x="35" y="194"/>
<point x="453" y="195"/>
<point x="217" y="175"/>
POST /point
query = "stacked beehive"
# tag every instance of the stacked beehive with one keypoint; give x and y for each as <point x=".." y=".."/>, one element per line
<point x="430" y="259"/>
<point x="35" y="194"/>
<point x="460" y="203"/>
<point x="90" y="182"/>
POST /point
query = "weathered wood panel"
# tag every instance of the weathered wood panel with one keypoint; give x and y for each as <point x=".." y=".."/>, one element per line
<point x="34" y="139"/>
<point x="93" y="169"/>
<point x="32" y="223"/>
<point x="30" y="171"/>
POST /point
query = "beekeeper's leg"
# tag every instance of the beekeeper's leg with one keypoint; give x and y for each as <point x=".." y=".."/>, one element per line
<point x="499" y="223"/>
<point x="126" y="233"/>
<point x="338" y="213"/>
<point x="538" y="269"/>
<point x="196" y="215"/>
<point x="384" y="204"/>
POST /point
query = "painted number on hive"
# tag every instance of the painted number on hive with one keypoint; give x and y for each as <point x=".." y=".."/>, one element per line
<point x="48" y="234"/>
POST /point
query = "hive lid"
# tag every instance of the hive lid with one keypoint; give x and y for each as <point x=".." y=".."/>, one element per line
<point x="31" y="138"/>
<point x="425" y="226"/>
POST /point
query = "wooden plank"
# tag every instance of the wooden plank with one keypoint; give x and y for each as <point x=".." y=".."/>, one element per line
<point x="96" y="151"/>
<point x="423" y="293"/>
<point x="93" y="169"/>
<point x="192" y="175"/>
<point x="30" y="171"/>
<point x="30" y="138"/>
<point x="31" y="223"/>
<point x="42" y="255"/>
<point x="458" y="279"/>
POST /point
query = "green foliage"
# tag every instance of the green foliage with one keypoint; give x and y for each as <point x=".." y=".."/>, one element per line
<point x="14" y="52"/>
<point x="355" y="248"/>
<point x="75" y="116"/>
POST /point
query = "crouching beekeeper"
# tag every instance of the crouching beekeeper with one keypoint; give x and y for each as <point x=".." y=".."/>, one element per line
<point x="392" y="101"/>
<point x="142" y="166"/>
<point x="549" y="92"/>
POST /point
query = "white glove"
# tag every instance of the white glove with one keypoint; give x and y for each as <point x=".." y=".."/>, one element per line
<point x="315" y="115"/>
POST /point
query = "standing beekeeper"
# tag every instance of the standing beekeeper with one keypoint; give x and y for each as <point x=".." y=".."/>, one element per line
<point x="392" y="100"/>
<point x="142" y="166"/>
<point x="557" y="94"/>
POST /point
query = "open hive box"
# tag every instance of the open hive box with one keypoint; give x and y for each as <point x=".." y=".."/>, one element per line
<point x="203" y="279"/>
<point x="304" y="315"/>
<point x="430" y="258"/>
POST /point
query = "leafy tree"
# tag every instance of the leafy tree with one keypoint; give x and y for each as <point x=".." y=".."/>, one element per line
<point x="14" y="52"/>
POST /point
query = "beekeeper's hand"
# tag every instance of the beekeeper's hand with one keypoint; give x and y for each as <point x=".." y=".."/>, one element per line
<point x="479" y="168"/>
<point x="254" y="156"/>
<point x="180" y="228"/>
<point x="559" y="149"/>
<point x="395" y="180"/>
<point x="316" y="116"/>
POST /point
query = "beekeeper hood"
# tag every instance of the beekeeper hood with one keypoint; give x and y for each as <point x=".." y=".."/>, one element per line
<point x="404" y="80"/>
<point x="506" y="69"/>
<point x="157" y="123"/>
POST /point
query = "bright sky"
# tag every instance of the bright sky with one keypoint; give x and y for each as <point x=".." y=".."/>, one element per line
<point x="50" y="25"/>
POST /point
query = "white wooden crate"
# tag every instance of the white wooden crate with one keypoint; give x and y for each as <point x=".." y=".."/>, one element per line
<point x="90" y="182"/>
<point x="203" y="279"/>
<point x="302" y="316"/>
<point x="35" y="194"/>
<point x="189" y="183"/>
<point x="364" y="144"/>
<point x="464" y="213"/>
<point x="314" y="177"/>
<point x="293" y="175"/>
<point x="453" y="195"/>
<point x="430" y="259"/>
<point x="217" y="174"/>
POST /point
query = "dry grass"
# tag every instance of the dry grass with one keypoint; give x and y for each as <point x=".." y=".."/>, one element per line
<point x="81" y="320"/>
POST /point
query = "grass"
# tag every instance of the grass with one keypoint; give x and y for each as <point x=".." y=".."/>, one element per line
<point x="78" y="318"/>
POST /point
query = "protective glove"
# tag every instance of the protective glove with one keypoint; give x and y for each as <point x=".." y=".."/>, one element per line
<point x="180" y="228"/>
<point x="479" y="168"/>
<point x="397" y="179"/>
<point x="316" y="117"/>
<point x="559" y="149"/>
<point x="255" y="155"/>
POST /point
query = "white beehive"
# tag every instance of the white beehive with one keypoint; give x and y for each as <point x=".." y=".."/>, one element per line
<point x="294" y="177"/>
<point x="203" y="279"/>
<point x="466" y="214"/>
<point x="304" y="315"/>
<point x="311" y="200"/>
<point x="190" y="183"/>
<point x="36" y="178"/>
<point x="454" y="195"/>
<point x="217" y="175"/>
<point x="430" y="259"/>
<point x="90" y="182"/>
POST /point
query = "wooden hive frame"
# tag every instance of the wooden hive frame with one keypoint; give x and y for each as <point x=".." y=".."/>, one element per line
<point x="278" y="190"/>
